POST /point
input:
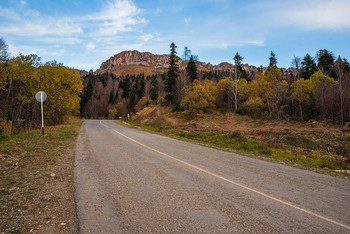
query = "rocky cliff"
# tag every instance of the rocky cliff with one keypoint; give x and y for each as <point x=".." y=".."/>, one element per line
<point x="135" y="62"/>
<point x="135" y="58"/>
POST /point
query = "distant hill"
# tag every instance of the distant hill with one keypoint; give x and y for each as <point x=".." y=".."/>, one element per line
<point x="135" y="62"/>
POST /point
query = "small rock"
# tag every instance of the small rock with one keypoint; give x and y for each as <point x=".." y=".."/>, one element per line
<point x="63" y="224"/>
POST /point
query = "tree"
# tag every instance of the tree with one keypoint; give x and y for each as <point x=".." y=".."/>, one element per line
<point x="225" y="93"/>
<point x="301" y="91"/>
<point x="199" y="96"/>
<point x="296" y="62"/>
<point x="268" y="91"/>
<point x="63" y="87"/>
<point x="115" y="113"/>
<point x="173" y="72"/>
<point x="238" y="72"/>
<point x="322" y="87"/>
<point x="325" y="61"/>
<point x="125" y="85"/>
<point x="309" y="67"/>
<point x="273" y="60"/>
<point x="341" y="67"/>
<point x="187" y="53"/>
<point x="4" y="54"/>
<point x="191" y="70"/>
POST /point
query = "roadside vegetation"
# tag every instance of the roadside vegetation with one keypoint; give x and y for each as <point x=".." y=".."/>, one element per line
<point x="315" y="145"/>
<point x="36" y="180"/>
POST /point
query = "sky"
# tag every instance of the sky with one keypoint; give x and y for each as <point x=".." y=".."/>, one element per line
<point x="84" y="33"/>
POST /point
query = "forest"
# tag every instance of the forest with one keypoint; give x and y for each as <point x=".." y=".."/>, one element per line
<point x="317" y="88"/>
<point x="21" y="77"/>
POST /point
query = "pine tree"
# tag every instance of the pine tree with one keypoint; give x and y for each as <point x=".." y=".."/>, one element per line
<point x="308" y="67"/>
<point x="273" y="60"/>
<point x="238" y="71"/>
<point x="325" y="62"/>
<point x="191" y="70"/>
<point x="173" y="72"/>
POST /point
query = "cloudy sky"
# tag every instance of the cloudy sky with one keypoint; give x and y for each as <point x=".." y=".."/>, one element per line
<point x="84" y="33"/>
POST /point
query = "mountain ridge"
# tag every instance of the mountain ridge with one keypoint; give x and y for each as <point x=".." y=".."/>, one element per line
<point x="136" y="62"/>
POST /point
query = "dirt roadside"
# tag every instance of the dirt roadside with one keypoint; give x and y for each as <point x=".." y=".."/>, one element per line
<point x="36" y="186"/>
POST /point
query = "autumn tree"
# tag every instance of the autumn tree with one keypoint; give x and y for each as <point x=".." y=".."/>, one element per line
<point x="173" y="70"/>
<point x="308" y="67"/>
<point x="63" y="87"/>
<point x="225" y="93"/>
<point x="322" y="87"/>
<point x="191" y="70"/>
<point x="23" y="81"/>
<point x="342" y="70"/>
<point x="268" y="92"/>
<point x="116" y="111"/>
<point x="199" y="96"/>
<point x="301" y="91"/>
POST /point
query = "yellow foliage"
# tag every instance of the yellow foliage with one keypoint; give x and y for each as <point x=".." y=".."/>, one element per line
<point x="62" y="86"/>
<point x="141" y="104"/>
<point x="318" y="79"/>
<point x="301" y="90"/>
<point x="267" y="90"/>
<point x="199" y="96"/>
<point x="113" y="113"/>
<point x="3" y="75"/>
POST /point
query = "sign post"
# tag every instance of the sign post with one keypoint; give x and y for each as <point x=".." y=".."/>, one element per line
<point x="41" y="97"/>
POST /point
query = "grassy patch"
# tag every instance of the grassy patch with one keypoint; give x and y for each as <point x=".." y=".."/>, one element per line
<point x="299" y="141"/>
<point x="151" y="127"/>
<point x="237" y="142"/>
<point x="26" y="162"/>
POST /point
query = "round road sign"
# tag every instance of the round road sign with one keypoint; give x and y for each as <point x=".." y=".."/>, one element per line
<point x="38" y="96"/>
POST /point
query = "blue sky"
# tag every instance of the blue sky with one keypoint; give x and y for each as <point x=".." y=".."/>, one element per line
<point x="84" y="33"/>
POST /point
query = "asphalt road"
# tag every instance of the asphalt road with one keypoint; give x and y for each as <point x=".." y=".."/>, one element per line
<point x="130" y="181"/>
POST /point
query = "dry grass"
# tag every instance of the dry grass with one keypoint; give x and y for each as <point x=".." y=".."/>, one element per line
<point x="36" y="180"/>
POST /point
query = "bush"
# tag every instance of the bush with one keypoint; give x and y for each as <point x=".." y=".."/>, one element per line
<point x="242" y="111"/>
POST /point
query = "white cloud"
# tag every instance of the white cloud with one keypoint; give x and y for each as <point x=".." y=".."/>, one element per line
<point x="90" y="46"/>
<point x="312" y="14"/>
<point x="146" y="37"/>
<point x="115" y="17"/>
<point x="187" y="20"/>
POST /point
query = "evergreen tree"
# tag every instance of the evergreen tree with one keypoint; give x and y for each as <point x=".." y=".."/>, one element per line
<point x="238" y="64"/>
<point x="153" y="92"/>
<point x="191" y="70"/>
<point x="308" y="67"/>
<point x="173" y="72"/>
<point x="273" y="60"/>
<point x="238" y="72"/>
<point x="125" y="85"/>
<point x="325" y="62"/>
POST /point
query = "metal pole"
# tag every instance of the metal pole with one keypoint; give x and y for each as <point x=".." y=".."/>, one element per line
<point x="42" y="114"/>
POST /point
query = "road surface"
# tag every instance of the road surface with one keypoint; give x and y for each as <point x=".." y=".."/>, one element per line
<point x="130" y="181"/>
